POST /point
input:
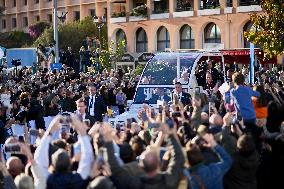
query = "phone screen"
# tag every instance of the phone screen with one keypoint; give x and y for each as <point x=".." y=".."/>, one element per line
<point x="144" y="116"/>
<point x="21" y="139"/>
<point x="170" y="123"/>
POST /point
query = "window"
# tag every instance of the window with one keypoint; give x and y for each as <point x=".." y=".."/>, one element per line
<point x="49" y="17"/>
<point x="120" y="35"/>
<point x="36" y="1"/>
<point x="93" y="12"/>
<point x="248" y="2"/>
<point x="209" y="4"/>
<point x="3" y="24"/>
<point x="249" y="27"/>
<point x="14" y="22"/>
<point x="212" y="33"/>
<point x="25" y="2"/>
<point x="77" y="15"/>
<point x="37" y="18"/>
<point x="161" y="6"/>
<point x="186" y="37"/>
<point x="15" y="3"/>
<point x="25" y="21"/>
<point x="141" y="40"/>
<point x="163" y="39"/>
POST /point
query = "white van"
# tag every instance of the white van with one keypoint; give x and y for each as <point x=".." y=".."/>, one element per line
<point x="161" y="72"/>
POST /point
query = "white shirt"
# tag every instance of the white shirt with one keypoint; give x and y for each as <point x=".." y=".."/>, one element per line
<point x="86" y="161"/>
<point x="91" y="105"/>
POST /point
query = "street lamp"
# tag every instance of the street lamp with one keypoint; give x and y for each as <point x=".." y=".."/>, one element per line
<point x="55" y="31"/>
<point x="100" y="22"/>
<point x="62" y="17"/>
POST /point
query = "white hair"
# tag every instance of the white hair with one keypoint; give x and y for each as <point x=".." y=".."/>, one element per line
<point x="24" y="181"/>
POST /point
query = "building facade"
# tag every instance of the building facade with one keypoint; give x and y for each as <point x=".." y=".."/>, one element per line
<point x="161" y="24"/>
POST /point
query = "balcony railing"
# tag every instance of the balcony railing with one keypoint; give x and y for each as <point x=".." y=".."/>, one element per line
<point x="248" y="3"/>
<point x="182" y="9"/>
<point x="160" y="11"/>
<point x="208" y="6"/>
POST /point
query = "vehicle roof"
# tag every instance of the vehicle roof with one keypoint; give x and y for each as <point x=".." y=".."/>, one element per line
<point x="193" y="53"/>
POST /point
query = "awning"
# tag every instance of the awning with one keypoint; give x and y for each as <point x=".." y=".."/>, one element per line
<point x="145" y="57"/>
<point x="242" y="56"/>
<point x="126" y="59"/>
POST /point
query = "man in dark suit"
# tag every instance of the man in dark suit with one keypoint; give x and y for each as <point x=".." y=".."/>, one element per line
<point x="182" y="96"/>
<point x="96" y="106"/>
<point x="81" y="112"/>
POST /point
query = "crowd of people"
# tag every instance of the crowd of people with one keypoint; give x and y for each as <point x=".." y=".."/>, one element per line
<point x="232" y="139"/>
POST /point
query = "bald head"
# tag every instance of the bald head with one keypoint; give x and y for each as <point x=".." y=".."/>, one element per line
<point x="151" y="162"/>
<point x="14" y="166"/>
<point x="216" y="120"/>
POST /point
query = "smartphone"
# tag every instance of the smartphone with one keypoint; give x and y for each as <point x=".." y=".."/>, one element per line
<point x="176" y="114"/>
<point x="65" y="128"/>
<point x="160" y="109"/>
<point x="128" y="123"/>
<point x="21" y="139"/>
<point x="100" y="158"/>
<point x="153" y="125"/>
<point x="211" y="108"/>
<point x="34" y="132"/>
<point x="144" y="116"/>
<point x="170" y="123"/>
<point x="197" y="90"/>
<point x="12" y="148"/>
<point x="87" y="122"/>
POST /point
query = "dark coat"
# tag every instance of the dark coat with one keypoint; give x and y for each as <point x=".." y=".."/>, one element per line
<point x="164" y="180"/>
<point x="65" y="181"/>
<point x="242" y="174"/>
<point x="99" y="107"/>
<point x="185" y="98"/>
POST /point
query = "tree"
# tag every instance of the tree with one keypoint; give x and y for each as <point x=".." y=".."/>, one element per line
<point x="111" y="55"/>
<point x="38" y="28"/>
<point x="71" y="34"/>
<point x="15" y="39"/>
<point x="270" y="28"/>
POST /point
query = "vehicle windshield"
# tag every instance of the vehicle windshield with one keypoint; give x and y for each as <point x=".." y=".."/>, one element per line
<point x="161" y="71"/>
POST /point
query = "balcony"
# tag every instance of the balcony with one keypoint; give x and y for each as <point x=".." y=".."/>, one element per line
<point x="249" y="6"/>
<point x="206" y="12"/>
<point x="24" y="8"/>
<point x="138" y="13"/>
<point x="160" y="14"/>
<point x="36" y="6"/>
<point x="183" y="12"/>
<point x="118" y="17"/>
<point x="228" y="10"/>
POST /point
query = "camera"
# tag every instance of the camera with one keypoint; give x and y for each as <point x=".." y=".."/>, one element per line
<point x="12" y="148"/>
<point x="101" y="158"/>
<point x="87" y="122"/>
<point x="65" y="123"/>
<point x="236" y="119"/>
<point x="16" y="62"/>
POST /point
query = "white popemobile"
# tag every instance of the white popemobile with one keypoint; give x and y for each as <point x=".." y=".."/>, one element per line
<point x="160" y="74"/>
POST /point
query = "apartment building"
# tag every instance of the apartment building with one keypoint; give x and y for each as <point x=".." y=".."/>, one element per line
<point x="19" y="14"/>
<point x="175" y="24"/>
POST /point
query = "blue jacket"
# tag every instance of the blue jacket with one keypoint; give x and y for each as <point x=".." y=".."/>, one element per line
<point x="243" y="103"/>
<point x="211" y="175"/>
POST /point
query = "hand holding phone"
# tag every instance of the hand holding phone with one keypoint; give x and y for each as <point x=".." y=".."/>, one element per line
<point x="170" y="123"/>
